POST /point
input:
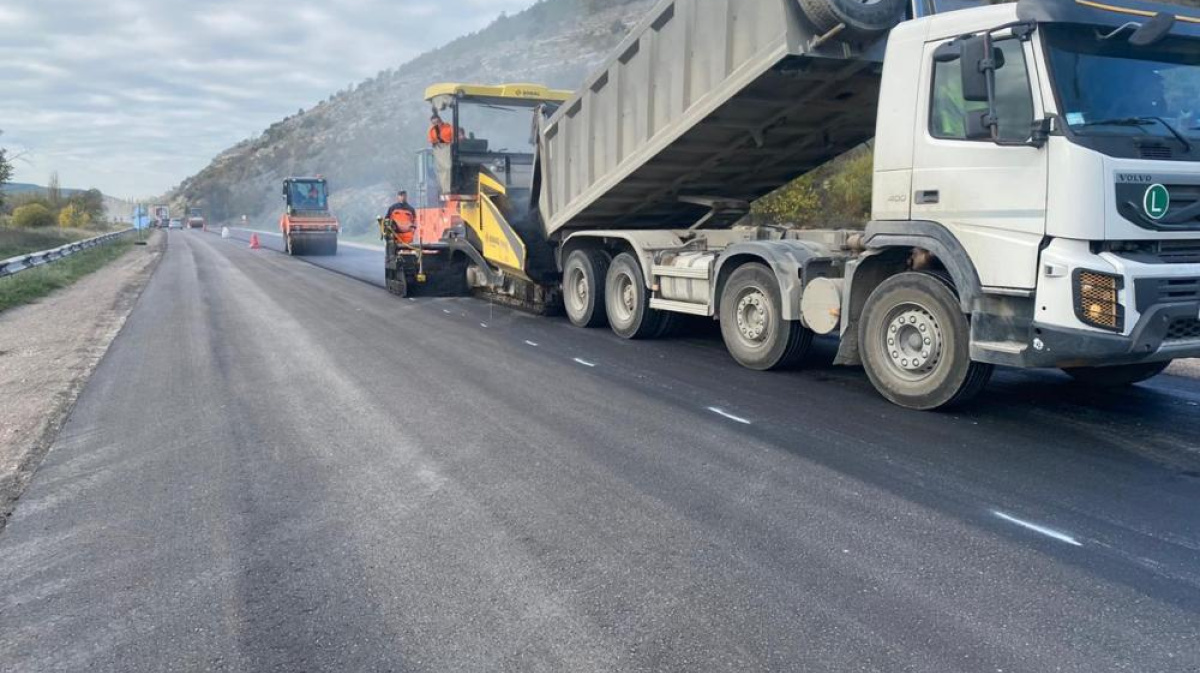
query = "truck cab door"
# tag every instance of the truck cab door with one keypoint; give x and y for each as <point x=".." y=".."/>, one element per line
<point x="991" y="197"/>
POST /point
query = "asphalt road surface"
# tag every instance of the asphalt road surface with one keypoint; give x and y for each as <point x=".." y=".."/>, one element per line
<point x="277" y="467"/>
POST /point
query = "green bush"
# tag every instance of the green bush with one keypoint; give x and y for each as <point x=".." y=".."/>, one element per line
<point x="33" y="216"/>
<point x="837" y="194"/>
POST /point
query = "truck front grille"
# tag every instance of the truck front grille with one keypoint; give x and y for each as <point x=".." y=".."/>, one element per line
<point x="1183" y="329"/>
<point x="1180" y="216"/>
<point x="1152" y="291"/>
<point x="1154" y="152"/>
<point x="1179" y="252"/>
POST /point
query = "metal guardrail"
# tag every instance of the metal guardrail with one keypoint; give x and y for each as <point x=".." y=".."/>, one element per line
<point x="14" y="265"/>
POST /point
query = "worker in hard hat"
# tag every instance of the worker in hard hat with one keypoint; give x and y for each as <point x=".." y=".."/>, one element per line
<point x="403" y="218"/>
<point x="440" y="132"/>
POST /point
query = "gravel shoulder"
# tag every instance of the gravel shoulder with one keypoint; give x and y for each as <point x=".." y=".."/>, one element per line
<point x="48" y="350"/>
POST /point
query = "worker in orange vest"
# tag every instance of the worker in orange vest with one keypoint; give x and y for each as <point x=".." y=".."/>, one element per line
<point x="403" y="218"/>
<point x="440" y="132"/>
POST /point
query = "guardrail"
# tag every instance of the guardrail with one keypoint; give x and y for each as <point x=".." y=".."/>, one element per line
<point x="14" y="265"/>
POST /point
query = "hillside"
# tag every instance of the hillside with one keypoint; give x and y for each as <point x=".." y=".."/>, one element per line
<point x="363" y="139"/>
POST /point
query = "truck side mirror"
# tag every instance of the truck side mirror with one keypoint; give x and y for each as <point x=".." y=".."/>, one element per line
<point x="1153" y="31"/>
<point x="979" y="125"/>
<point x="979" y="64"/>
<point x="948" y="52"/>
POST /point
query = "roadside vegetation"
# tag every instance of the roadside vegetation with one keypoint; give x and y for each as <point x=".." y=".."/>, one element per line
<point x="14" y="241"/>
<point x="52" y="208"/>
<point x="34" y="284"/>
<point x="837" y="194"/>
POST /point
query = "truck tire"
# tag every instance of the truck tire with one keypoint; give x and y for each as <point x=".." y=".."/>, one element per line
<point x="585" y="274"/>
<point x="752" y="324"/>
<point x="915" y="344"/>
<point x="627" y="302"/>
<point x="1118" y="375"/>
<point x="863" y="18"/>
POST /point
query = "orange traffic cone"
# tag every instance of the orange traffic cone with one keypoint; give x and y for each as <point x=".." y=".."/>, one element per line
<point x="254" y="242"/>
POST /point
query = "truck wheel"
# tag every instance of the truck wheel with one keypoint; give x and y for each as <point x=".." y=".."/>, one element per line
<point x="627" y="302"/>
<point x="584" y="276"/>
<point x="1117" y="375"/>
<point x="915" y="343"/>
<point x="752" y="323"/>
<point x="863" y="18"/>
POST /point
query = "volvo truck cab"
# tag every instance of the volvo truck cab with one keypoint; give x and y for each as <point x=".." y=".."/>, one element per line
<point x="1049" y="160"/>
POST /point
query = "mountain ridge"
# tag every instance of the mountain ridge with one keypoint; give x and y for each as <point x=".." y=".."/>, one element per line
<point x="363" y="139"/>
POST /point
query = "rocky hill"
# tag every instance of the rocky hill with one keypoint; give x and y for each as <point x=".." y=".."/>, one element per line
<point x="363" y="139"/>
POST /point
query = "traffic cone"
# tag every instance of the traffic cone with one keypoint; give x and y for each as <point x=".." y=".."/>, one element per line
<point x="254" y="242"/>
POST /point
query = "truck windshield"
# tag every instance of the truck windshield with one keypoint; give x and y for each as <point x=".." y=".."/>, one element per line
<point x="308" y="196"/>
<point x="495" y="128"/>
<point x="1112" y="88"/>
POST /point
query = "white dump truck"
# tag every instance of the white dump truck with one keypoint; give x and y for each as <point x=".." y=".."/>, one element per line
<point x="1036" y="194"/>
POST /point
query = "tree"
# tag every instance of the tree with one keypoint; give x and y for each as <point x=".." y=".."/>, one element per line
<point x="73" y="217"/>
<point x="90" y="203"/>
<point x="54" y="191"/>
<point x="32" y="216"/>
<point x="6" y="171"/>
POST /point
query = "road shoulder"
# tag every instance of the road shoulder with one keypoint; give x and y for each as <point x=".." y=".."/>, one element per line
<point x="48" y="351"/>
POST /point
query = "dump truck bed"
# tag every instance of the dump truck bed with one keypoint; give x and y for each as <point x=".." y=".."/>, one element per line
<point x="722" y="98"/>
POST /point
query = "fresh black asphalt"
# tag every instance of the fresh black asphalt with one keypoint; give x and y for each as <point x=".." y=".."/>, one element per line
<point x="277" y="467"/>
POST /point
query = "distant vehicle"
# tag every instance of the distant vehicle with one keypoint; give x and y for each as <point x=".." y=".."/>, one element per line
<point x="162" y="215"/>
<point x="195" y="218"/>
<point x="307" y="225"/>
<point x="175" y="223"/>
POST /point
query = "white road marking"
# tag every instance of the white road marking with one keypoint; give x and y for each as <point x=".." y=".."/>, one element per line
<point x="531" y="343"/>
<point x="483" y="325"/>
<point x="412" y="299"/>
<point x="728" y="415"/>
<point x="445" y="311"/>
<point x="585" y="363"/>
<point x="1048" y="532"/>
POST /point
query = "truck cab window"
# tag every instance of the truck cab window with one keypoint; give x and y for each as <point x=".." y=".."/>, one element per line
<point x="1014" y="100"/>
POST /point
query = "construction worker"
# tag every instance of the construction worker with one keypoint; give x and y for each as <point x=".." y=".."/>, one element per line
<point x="440" y="132"/>
<point x="403" y="218"/>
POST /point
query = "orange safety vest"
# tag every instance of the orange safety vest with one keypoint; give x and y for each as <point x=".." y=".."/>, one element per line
<point x="403" y="218"/>
<point x="441" y="134"/>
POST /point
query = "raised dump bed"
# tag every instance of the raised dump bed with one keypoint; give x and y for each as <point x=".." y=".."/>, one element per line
<point x="709" y="98"/>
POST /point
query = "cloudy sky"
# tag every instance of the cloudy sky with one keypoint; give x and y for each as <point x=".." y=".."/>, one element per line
<point x="131" y="96"/>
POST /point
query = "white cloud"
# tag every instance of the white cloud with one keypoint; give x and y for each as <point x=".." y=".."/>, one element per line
<point x="131" y="96"/>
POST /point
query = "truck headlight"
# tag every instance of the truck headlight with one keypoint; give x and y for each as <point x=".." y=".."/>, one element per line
<point x="1096" y="300"/>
